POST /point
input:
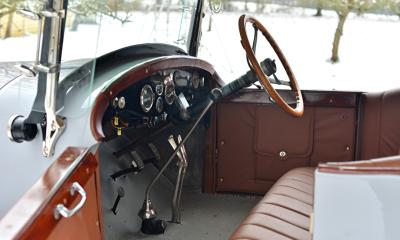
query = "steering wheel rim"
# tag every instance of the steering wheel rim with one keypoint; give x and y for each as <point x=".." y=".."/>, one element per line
<point x="299" y="109"/>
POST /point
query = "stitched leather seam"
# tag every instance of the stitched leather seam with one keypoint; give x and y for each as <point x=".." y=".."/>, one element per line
<point x="288" y="208"/>
<point x="298" y="180"/>
<point x="269" y="228"/>
<point x="284" y="220"/>
<point x="283" y="185"/>
<point x="305" y="174"/>
<point x="293" y="188"/>
<point x="280" y="194"/>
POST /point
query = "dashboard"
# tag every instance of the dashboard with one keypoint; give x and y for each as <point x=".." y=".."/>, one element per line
<point x="164" y="97"/>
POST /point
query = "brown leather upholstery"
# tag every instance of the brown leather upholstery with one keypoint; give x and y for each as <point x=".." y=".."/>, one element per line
<point x="284" y="213"/>
<point x="251" y="136"/>
<point x="380" y="124"/>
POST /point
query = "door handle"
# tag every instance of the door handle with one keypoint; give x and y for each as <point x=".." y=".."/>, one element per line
<point x="61" y="210"/>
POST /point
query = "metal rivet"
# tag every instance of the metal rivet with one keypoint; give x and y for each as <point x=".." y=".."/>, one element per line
<point x="331" y="100"/>
<point x="347" y="148"/>
<point x="222" y="143"/>
<point x="282" y="154"/>
<point x="87" y="171"/>
<point x="221" y="179"/>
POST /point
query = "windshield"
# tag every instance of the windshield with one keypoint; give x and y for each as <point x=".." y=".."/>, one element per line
<point x="368" y="47"/>
<point x="96" y="27"/>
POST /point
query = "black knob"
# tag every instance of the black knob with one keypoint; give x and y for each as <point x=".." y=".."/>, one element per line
<point x="18" y="130"/>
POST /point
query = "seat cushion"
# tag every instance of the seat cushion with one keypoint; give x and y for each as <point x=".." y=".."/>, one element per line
<point x="380" y="132"/>
<point x="284" y="212"/>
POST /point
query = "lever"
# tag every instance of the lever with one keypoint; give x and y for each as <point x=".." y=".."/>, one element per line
<point x="121" y="194"/>
<point x="182" y="164"/>
<point x="136" y="167"/>
<point x="150" y="224"/>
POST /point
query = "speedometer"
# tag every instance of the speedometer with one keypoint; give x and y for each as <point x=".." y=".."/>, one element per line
<point x="146" y="98"/>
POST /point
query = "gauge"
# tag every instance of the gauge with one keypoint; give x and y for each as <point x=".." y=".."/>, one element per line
<point x="146" y="98"/>
<point x="181" y="78"/>
<point x="195" y="80"/>
<point x="115" y="102"/>
<point x="121" y="103"/>
<point x="169" y="93"/>
<point x="159" y="89"/>
<point x="160" y="104"/>
<point x="158" y="83"/>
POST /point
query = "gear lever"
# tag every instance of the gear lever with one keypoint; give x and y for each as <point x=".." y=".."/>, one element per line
<point x="182" y="164"/>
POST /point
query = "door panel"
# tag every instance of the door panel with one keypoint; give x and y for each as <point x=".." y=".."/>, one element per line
<point x="33" y="216"/>
<point x="258" y="142"/>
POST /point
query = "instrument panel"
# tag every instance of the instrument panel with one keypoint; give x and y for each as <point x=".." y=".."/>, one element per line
<point x="156" y="100"/>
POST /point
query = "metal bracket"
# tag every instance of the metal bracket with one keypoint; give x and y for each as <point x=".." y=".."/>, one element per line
<point x="53" y="13"/>
<point x="47" y="64"/>
<point x="47" y="69"/>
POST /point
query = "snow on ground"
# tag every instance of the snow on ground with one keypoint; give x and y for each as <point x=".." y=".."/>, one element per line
<point x="369" y="48"/>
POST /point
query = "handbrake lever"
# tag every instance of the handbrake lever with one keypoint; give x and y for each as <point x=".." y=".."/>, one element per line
<point x="182" y="164"/>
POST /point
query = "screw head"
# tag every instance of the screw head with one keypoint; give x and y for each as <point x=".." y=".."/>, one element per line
<point x="282" y="154"/>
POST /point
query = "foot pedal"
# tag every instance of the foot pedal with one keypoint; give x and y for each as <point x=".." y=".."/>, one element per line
<point x="153" y="226"/>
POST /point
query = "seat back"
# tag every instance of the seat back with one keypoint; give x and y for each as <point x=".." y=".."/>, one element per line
<point x="380" y="124"/>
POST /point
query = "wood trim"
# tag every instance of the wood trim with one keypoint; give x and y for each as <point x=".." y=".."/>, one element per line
<point x="388" y="165"/>
<point x="32" y="216"/>
<point x="98" y="194"/>
<point x="135" y="75"/>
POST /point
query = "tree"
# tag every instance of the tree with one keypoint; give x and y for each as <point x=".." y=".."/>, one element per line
<point x="8" y="7"/>
<point x="343" y="8"/>
<point x="111" y="8"/>
<point x="320" y="5"/>
<point x="394" y="6"/>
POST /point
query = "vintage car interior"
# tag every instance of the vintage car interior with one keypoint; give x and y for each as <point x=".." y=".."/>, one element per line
<point x="179" y="154"/>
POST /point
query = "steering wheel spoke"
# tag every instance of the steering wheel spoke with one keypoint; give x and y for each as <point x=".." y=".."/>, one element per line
<point x="265" y="80"/>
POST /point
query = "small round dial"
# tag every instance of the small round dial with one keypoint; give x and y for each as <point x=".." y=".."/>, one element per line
<point x="159" y="104"/>
<point x="121" y="103"/>
<point x="146" y="98"/>
<point x="159" y="89"/>
<point x="169" y="93"/>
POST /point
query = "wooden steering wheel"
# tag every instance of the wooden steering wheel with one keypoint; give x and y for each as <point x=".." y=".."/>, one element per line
<point x="255" y="66"/>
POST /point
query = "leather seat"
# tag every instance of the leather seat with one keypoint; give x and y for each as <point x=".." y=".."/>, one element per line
<point x="284" y="212"/>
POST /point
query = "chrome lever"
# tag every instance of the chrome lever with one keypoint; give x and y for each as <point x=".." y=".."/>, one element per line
<point x="176" y="200"/>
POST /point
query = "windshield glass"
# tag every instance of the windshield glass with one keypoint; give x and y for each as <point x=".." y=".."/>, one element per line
<point x="368" y="47"/>
<point x="96" y="27"/>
